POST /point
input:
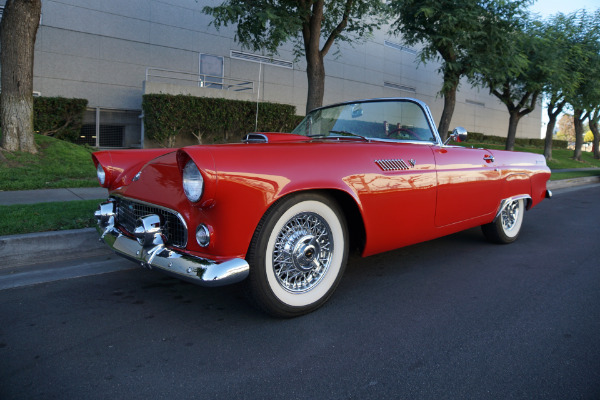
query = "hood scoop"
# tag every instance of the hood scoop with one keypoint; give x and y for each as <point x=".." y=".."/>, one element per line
<point x="255" y="138"/>
<point x="273" y="137"/>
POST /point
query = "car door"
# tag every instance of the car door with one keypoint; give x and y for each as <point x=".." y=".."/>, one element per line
<point x="469" y="184"/>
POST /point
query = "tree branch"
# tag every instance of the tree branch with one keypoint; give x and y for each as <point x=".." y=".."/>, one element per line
<point x="338" y="29"/>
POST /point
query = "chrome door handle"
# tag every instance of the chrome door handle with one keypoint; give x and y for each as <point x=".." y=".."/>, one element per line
<point x="488" y="158"/>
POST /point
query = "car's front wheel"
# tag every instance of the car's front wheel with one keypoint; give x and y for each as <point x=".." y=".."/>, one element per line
<point x="298" y="255"/>
<point x="507" y="226"/>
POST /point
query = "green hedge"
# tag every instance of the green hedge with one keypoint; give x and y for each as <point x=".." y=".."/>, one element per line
<point x="58" y="116"/>
<point x="477" y="137"/>
<point x="211" y="120"/>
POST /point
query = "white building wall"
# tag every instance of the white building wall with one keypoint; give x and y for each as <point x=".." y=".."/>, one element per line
<point x="100" y="50"/>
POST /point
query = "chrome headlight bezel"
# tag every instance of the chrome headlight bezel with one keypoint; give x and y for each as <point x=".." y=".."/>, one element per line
<point x="101" y="174"/>
<point x="193" y="182"/>
<point x="202" y="235"/>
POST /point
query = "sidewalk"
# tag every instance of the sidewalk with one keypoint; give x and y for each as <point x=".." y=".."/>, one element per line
<point x="47" y="195"/>
<point x="32" y="248"/>
<point x="8" y="198"/>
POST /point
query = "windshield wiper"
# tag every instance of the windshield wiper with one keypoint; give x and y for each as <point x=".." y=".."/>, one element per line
<point x="346" y="133"/>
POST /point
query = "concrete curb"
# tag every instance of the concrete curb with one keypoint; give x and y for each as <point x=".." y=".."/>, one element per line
<point x="34" y="248"/>
<point x="566" y="183"/>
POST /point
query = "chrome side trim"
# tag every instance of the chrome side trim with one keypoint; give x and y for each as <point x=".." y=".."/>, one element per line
<point x="201" y="271"/>
<point x="509" y="200"/>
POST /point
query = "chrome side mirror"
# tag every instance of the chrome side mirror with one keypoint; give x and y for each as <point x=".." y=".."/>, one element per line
<point x="459" y="134"/>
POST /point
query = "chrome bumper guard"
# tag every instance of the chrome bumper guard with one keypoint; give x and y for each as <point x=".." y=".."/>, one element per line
<point x="149" y="250"/>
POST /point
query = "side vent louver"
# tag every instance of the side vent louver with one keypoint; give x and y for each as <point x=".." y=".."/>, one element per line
<point x="395" y="164"/>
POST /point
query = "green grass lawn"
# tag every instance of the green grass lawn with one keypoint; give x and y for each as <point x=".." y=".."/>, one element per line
<point x="41" y="217"/>
<point x="62" y="165"/>
<point x="561" y="158"/>
<point x="58" y="164"/>
<point x="556" y="176"/>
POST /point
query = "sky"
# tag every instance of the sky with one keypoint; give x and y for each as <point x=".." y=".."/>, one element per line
<point x="547" y="8"/>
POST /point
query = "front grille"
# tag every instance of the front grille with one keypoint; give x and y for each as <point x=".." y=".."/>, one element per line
<point x="128" y="211"/>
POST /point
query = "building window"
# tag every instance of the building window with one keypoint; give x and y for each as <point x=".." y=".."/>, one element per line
<point x="400" y="47"/>
<point x="475" y="103"/>
<point x="240" y="55"/>
<point x="211" y="71"/>
<point x="399" y="86"/>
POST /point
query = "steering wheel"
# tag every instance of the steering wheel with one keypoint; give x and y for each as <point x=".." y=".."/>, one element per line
<point x="406" y="130"/>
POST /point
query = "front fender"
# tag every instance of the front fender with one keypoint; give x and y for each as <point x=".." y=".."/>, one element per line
<point x="245" y="181"/>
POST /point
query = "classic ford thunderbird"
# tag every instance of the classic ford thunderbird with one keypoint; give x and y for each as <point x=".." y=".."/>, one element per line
<point x="280" y="211"/>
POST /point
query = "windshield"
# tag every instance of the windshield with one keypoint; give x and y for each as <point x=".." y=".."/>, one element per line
<point x="389" y="119"/>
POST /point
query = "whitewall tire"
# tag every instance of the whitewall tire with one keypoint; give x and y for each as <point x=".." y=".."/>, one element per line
<point x="507" y="226"/>
<point x="298" y="254"/>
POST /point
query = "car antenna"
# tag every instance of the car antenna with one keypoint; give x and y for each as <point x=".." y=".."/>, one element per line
<point x="257" y="97"/>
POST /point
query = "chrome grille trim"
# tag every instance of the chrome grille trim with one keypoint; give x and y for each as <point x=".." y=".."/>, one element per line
<point x="394" y="164"/>
<point x="129" y="210"/>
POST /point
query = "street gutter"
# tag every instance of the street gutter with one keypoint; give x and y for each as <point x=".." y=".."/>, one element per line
<point x="45" y="247"/>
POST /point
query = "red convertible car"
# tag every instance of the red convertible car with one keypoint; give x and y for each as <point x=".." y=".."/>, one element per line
<point x="281" y="210"/>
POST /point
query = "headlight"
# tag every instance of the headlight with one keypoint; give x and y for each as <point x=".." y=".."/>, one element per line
<point x="101" y="174"/>
<point x="193" y="183"/>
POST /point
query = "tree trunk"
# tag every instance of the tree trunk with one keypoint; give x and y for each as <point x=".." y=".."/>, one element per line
<point x="315" y="68"/>
<point x="516" y="112"/>
<point x="549" y="136"/>
<point x="18" y="29"/>
<point x="449" y="104"/>
<point x="554" y="109"/>
<point x="578" y="122"/>
<point x="315" y="72"/>
<point x="513" y="122"/>
<point x="596" y="131"/>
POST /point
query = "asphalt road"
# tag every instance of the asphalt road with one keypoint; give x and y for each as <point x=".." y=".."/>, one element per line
<point x="455" y="318"/>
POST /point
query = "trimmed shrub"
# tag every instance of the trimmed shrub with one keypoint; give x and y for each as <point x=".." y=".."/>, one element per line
<point x="58" y="116"/>
<point x="477" y="137"/>
<point x="560" y="144"/>
<point x="211" y="120"/>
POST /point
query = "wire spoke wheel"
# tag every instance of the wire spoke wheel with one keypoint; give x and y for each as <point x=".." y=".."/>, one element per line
<point x="298" y="255"/>
<point x="510" y="216"/>
<point x="303" y="252"/>
<point x="507" y="226"/>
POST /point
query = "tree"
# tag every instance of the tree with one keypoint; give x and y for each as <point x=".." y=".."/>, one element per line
<point x="561" y="33"/>
<point x="586" y="98"/>
<point x="595" y="128"/>
<point x="462" y="34"/>
<point x="518" y="78"/>
<point x="566" y="129"/>
<point x="267" y="24"/>
<point x="18" y="29"/>
<point x="589" y="135"/>
<point x="579" y="115"/>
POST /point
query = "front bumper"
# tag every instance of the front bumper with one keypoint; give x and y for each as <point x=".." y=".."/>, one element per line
<point x="154" y="254"/>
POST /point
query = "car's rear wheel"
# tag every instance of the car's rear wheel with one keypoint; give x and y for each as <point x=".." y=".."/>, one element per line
<point x="507" y="226"/>
<point x="298" y="255"/>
